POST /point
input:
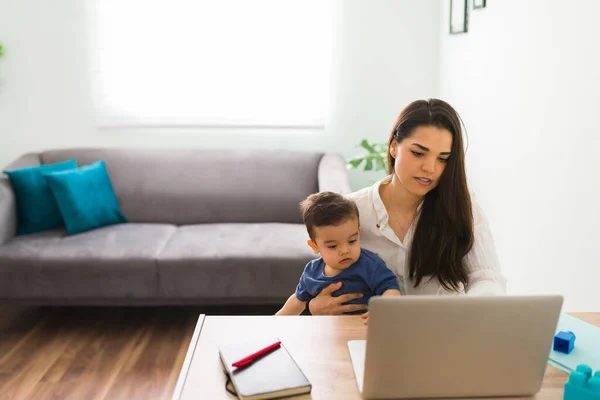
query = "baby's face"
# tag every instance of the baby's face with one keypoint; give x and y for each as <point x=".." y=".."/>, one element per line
<point x="339" y="245"/>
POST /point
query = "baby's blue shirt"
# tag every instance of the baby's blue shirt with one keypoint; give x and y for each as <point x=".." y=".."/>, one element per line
<point x="368" y="275"/>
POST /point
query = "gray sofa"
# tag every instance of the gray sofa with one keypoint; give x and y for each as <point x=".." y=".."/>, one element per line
<point x="204" y="227"/>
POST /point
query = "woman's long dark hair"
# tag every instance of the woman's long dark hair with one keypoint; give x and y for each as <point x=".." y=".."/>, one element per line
<point x="444" y="233"/>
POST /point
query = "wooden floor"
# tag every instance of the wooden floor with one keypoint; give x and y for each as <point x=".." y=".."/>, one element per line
<point x="97" y="352"/>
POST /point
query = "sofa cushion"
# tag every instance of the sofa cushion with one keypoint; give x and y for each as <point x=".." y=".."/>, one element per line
<point x="36" y="207"/>
<point x="233" y="262"/>
<point x="195" y="186"/>
<point x="118" y="261"/>
<point x="85" y="197"/>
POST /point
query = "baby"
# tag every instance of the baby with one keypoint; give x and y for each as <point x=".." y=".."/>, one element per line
<point x="333" y="227"/>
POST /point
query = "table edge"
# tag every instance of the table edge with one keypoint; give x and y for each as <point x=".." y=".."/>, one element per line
<point x="188" y="358"/>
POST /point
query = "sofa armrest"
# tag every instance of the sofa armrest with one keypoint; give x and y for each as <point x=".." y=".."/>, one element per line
<point x="333" y="174"/>
<point x="26" y="160"/>
<point x="8" y="211"/>
<point x="8" y="204"/>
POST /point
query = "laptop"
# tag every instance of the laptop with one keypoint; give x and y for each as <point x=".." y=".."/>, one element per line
<point x="458" y="346"/>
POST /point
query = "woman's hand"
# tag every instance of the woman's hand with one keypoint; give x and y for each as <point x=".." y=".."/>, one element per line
<point x="326" y="304"/>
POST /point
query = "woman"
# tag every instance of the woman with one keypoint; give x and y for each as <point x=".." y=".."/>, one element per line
<point x="420" y="219"/>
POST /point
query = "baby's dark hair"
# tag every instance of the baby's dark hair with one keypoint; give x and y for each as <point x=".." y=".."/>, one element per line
<point x="326" y="209"/>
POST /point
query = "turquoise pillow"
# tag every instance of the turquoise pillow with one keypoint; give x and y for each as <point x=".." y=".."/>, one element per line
<point x="85" y="197"/>
<point x="36" y="208"/>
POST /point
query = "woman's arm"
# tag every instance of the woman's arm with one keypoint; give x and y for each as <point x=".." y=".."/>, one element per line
<point x="325" y="304"/>
<point x="485" y="276"/>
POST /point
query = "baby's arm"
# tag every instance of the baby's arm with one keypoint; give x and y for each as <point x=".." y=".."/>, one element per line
<point x="386" y="278"/>
<point x="383" y="281"/>
<point x="292" y="306"/>
<point x="389" y="292"/>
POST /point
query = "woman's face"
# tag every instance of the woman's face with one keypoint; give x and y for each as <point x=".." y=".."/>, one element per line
<point x="421" y="158"/>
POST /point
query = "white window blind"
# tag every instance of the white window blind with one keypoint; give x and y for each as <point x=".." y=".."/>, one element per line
<point x="259" y="63"/>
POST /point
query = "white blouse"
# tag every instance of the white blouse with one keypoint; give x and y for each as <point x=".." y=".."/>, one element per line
<point x="484" y="276"/>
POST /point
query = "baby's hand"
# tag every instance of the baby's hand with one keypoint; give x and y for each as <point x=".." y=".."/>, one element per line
<point x="365" y="316"/>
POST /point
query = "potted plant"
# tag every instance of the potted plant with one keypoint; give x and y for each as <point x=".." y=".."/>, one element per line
<point x="375" y="158"/>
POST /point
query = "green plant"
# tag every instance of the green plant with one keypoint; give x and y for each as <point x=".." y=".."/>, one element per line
<point x="374" y="160"/>
<point x="1" y="50"/>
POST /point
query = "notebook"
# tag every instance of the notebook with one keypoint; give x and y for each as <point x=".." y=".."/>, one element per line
<point x="273" y="375"/>
<point x="587" y="345"/>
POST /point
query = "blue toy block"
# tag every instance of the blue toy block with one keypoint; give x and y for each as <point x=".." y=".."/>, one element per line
<point x="564" y="342"/>
<point x="582" y="385"/>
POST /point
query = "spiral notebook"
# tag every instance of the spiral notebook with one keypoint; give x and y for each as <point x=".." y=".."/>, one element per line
<point x="273" y="375"/>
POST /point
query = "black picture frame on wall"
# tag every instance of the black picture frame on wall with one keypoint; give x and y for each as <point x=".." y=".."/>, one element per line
<point x="459" y="16"/>
<point x="477" y="4"/>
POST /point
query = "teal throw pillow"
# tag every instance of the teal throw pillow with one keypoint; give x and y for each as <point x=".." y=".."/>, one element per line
<point x="85" y="197"/>
<point x="36" y="208"/>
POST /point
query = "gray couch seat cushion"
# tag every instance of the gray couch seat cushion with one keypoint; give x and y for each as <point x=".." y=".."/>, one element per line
<point x="117" y="261"/>
<point x="234" y="261"/>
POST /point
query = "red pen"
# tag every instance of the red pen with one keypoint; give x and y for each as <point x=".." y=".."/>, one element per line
<point x="247" y="360"/>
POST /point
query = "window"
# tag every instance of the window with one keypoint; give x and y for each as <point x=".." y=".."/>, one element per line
<point x="259" y="63"/>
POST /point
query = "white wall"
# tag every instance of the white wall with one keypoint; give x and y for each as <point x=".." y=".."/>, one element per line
<point x="526" y="79"/>
<point x="45" y="81"/>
